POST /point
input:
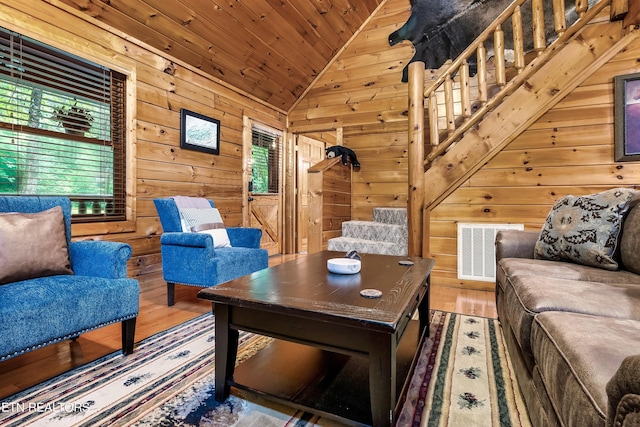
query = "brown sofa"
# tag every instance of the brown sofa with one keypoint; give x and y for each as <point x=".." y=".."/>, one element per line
<point x="572" y="330"/>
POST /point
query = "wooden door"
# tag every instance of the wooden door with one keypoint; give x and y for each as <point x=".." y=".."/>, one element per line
<point x="265" y="214"/>
<point x="264" y="150"/>
<point x="310" y="151"/>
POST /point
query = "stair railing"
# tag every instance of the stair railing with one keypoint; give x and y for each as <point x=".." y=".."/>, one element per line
<point x="444" y="103"/>
<point x="449" y="95"/>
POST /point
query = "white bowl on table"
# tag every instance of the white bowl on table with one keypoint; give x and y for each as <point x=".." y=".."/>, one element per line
<point x="343" y="265"/>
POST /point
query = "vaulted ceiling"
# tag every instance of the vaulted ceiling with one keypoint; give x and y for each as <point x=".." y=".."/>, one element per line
<point x="272" y="49"/>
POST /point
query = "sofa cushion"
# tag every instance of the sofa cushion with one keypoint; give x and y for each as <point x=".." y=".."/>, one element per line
<point x="33" y="245"/>
<point x="576" y="356"/>
<point x="209" y="221"/>
<point x="585" y="229"/>
<point x="60" y="307"/>
<point x="526" y="296"/>
<point x="560" y="270"/>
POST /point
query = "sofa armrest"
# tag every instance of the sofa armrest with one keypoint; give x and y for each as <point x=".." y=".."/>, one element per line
<point x="99" y="258"/>
<point x="244" y="237"/>
<point x="196" y="240"/>
<point x="623" y="391"/>
<point x="515" y="244"/>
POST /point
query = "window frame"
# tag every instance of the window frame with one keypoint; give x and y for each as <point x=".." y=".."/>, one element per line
<point x="278" y="162"/>
<point x="126" y="67"/>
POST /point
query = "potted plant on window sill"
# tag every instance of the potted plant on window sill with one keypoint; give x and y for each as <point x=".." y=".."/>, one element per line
<point x="74" y="120"/>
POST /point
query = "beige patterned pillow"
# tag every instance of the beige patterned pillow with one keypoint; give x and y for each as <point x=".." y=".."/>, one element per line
<point x="33" y="245"/>
<point x="201" y="220"/>
<point x="585" y="229"/>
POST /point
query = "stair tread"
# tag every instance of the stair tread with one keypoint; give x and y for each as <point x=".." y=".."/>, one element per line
<point x="346" y="244"/>
<point x="373" y="223"/>
<point x="376" y="231"/>
<point x="388" y="215"/>
<point x="356" y="239"/>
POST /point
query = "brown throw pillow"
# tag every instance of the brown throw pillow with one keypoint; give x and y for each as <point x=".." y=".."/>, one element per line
<point x="33" y="245"/>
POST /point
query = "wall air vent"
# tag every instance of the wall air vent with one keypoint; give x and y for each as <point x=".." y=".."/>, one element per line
<point x="476" y="250"/>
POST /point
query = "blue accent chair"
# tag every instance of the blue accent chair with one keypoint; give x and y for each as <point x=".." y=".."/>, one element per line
<point x="44" y="310"/>
<point x="191" y="259"/>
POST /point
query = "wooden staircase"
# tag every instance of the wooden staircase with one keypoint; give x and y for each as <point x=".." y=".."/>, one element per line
<point x="471" y="137"/>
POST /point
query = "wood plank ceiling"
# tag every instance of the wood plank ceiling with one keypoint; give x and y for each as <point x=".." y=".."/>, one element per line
<point x="272" y="49"/>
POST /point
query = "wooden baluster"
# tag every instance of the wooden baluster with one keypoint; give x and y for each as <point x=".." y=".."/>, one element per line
<point x="518" y="42"/>
<point x="559" y="17"/>
<point x="448" y="104"/>
<point x="465" y="95"/>
<point x="539" y="38"/>
<point x="498" y="47"/>
<point x="619" y="9"/>
<point x="482" y="74"/>
<point x="434" y="131"/>
<point x="581" y="7"/>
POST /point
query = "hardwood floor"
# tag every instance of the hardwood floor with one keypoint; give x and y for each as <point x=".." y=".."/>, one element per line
<point x="36" y="366"/>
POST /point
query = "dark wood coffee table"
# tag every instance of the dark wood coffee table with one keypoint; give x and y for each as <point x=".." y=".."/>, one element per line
<point x="328" y="337"/>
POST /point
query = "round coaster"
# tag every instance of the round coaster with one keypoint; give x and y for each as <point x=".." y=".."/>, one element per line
<point x="405" y="262"/>
<point x="371" y="293"/>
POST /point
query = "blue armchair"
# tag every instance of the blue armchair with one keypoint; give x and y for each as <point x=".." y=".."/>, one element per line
<point x="41" y="307"/>
<point x="191" y="258"/>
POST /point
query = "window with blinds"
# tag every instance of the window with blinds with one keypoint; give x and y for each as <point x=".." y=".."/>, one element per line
<point x="265" y="161"/>
<point x="62" y="128"/>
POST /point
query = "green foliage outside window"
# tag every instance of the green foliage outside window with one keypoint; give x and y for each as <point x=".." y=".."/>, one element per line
<point x="260" y="169"/>
<point x="265" y="161"/>
<point x="45" y="165"/>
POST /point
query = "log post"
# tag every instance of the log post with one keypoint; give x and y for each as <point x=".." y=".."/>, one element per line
<point x="448" y="104"/>
<point x="619" y="9"/>
<point x="416" y="157"/>
<point x="483" y="94"/>
<point x="539" y="37"/>
<point x="559" y="19"/>
<point x="434" y="129"/>
<point x="498" y="50"/>
<point x="465" y="95"/>
<point x="518" y="40"/>
<point x="581" y="7"/>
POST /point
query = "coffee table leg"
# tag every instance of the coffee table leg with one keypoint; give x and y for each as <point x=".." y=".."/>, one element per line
<point x="382" y="378"/>
<point x="226" y="351"/>
<point x="424" y="310"/>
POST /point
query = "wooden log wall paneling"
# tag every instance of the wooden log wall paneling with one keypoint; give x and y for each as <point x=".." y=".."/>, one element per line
<point x="361" y="93"/>
<point x="329" y="189"/>
<point x="361" y="100"/>
<point x="569" y="150"/>
<point x="382" y="179"/>
<point x="162" y="87"/>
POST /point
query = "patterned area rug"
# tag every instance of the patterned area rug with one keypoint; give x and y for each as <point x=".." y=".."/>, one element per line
<point x="463" y="378"/>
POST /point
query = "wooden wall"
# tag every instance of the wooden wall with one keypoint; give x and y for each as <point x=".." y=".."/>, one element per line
<point x="361" y="96"/>
<point x="162" y="87"/>
<point x="569" y="150"/>
<point x="329" y="202"/>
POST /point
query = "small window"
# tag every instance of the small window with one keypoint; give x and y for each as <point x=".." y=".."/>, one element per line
<point x="265" y="161"/>
<point x="62" y="128"/>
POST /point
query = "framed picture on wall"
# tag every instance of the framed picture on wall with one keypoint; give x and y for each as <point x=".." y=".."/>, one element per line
<point x="627" y="117"/>
<point x="199" y="133"/>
